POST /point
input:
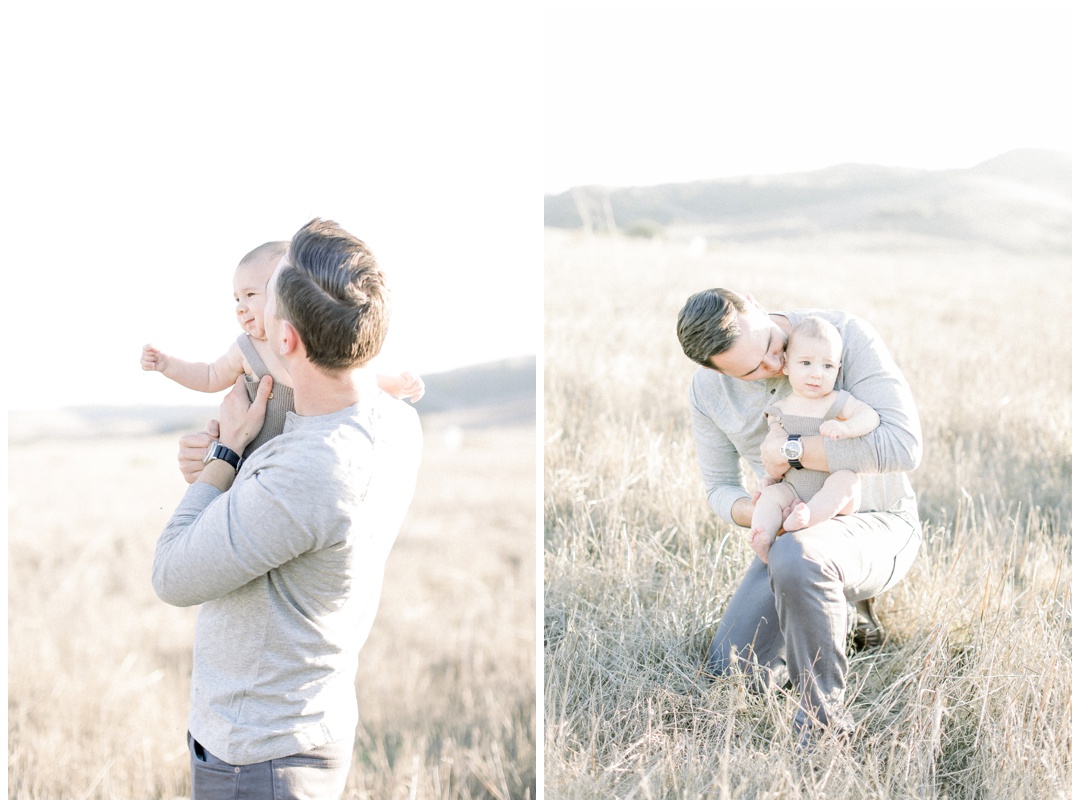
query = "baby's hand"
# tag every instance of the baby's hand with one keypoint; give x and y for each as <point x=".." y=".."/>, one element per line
<point x="153" y="359"/>
<point x="834" y="430"/>
<point x="409" y="386"/>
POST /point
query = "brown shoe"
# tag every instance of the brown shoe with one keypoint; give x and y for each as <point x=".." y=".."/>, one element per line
<point x="868" y="634"/>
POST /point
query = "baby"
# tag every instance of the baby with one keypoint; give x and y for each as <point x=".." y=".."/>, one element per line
<point x="251" y="353"/>
<point x="811" y="363"/>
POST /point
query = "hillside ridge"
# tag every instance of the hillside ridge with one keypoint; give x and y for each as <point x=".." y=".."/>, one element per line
<point x="498" y="393"/>
<point x="1020" y="200"/>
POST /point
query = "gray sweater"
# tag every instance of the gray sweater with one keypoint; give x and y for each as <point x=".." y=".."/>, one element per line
<point x="727" y="417"/>
<point x="288" y="567"/>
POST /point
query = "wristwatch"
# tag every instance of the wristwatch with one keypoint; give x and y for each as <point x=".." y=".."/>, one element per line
<point x="218" y="451"/>
<point x="792" y="451"/>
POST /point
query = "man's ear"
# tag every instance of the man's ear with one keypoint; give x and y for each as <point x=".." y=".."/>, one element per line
<point x="290" y="339"/>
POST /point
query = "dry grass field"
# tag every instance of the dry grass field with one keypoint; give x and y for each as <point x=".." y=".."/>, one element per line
<point x="99" y="669"/>
<point x="971" y="696"/>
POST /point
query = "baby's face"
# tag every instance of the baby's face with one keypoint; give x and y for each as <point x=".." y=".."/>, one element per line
<point x="812" y="366"/>
<point x="249" y="292"/>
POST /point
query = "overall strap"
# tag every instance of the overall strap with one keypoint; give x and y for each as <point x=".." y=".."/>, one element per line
<point x="838" y="405"/>
<point x="252" y="356"/>
<point x="774" y="411"/>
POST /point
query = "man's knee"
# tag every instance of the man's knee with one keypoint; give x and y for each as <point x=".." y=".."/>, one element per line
<point x="792" y="561"/>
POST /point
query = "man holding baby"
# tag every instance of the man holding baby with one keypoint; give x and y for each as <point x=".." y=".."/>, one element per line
<point x="788" y="619"/>
<point x="285" y="550"/>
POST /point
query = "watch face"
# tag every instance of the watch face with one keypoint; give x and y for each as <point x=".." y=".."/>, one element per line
<point x="792" y="450"/>
<point x="210" y="452"/>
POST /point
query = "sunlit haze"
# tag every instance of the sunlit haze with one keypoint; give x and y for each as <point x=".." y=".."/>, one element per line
<point x="157" y="145"/>
<point x="642" y="96"/>
<point x="155" y="148"/>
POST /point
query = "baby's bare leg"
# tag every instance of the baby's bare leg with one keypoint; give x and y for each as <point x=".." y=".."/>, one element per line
<point x="768" y="516"/>
<point x="840" y="495"/>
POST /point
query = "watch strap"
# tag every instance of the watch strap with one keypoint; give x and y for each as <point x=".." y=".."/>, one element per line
<point x="228" y="455"/>
<point x="794" y="462"/>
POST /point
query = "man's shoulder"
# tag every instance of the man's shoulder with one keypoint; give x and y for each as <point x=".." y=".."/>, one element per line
<point x="393" y="419"/>
<point x="837" y="317"/>
<point x="706" y="379"/>
<point x="344" y="451"/>
<point x="387" y="420"/>
<point x="709" y="388"/>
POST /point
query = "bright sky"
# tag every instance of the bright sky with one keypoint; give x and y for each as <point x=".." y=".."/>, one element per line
<point x="636" y="95"/>
<point x="149" y="146"/>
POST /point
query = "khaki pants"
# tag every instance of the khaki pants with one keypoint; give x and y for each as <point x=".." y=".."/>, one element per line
<point x="788" y="620"/>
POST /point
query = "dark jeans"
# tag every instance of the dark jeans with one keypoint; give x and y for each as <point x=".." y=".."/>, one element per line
<point x="315" y="774"/>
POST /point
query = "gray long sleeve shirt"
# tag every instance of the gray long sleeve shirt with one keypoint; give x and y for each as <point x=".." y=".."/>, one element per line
<point x="727" y="417"/>
<point x="288" y="567"/>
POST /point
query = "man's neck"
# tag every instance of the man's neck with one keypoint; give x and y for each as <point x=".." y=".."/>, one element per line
<point x="316" y="392"/>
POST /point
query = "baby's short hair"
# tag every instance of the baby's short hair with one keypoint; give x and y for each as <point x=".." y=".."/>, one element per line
<point x="817" y="328"/>
<point x="269" y="252"/>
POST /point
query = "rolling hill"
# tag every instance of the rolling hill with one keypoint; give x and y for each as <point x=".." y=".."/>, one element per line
<point x="1019" y="201"/>
<point x="501" y="393"/>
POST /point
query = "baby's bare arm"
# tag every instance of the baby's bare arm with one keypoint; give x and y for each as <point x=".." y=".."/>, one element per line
<point x="405" y="385"/>
<point x="204" y="377"/>
<point x="855" y="420"/>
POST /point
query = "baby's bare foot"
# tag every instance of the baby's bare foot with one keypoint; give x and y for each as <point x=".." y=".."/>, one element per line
<point x="760" y="542"/>
<point x="798" y="519"/>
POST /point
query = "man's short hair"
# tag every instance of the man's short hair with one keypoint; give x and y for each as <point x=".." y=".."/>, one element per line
<point x="708" y="324"/>
<point x="334" y="294"/>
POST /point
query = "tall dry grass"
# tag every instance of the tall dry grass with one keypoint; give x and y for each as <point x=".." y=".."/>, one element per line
<point x="970" y="698"/>
<point x="99" y="669"/>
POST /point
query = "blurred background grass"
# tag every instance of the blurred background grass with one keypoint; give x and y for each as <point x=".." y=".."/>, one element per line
<point x="99" y="668"/>
<point x="970" y="698"/>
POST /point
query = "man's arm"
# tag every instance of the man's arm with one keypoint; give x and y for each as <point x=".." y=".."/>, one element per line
<point x="872" y="376"/>
<point x="209" y="546"/>
<point x="742" y="511"/>
<point x="721" y="470"/>
<point x="216" y="543"/>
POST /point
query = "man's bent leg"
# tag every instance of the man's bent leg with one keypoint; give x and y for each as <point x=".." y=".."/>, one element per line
<point x="748" y="637"/>
<point x="814" y="573"/>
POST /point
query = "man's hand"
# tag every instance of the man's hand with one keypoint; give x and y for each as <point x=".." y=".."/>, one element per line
<point x="193" y="448"/>
<point x="241" y="420"/>
<point x="153" y="359"/>
<point x="776" y="465"/>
